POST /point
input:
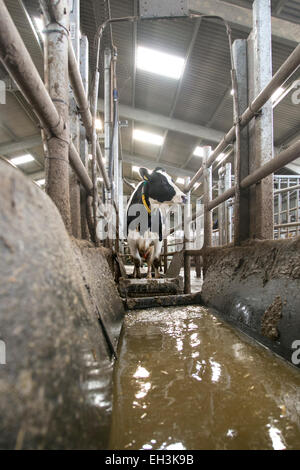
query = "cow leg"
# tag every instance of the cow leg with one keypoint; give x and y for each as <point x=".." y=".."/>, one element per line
<point x="156" y="257"/>
<point x="149" y="261"/>
<point x="149" y="274"/>
<point x="156" y="268"/>
<point x="137" y="271"/>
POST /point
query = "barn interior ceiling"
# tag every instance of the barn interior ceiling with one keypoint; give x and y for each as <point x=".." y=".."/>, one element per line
<point x="182" y="112"/>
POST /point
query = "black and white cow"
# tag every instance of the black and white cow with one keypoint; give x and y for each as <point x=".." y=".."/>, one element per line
<point x="144" y="218"/>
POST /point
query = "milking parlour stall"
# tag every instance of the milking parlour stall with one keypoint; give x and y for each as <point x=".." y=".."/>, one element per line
<point x="149" y="227"/>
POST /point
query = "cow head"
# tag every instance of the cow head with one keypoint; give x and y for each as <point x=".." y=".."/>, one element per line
<point x="161" y="188"/>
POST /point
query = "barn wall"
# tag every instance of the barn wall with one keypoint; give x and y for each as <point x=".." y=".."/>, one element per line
<point x="55" y="389"/>
<point x="256" y="287"/>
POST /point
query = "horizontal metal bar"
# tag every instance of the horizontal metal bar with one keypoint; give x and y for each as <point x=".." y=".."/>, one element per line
<point x="285" y="157"/>
<point x="290" y="224"/>
<point x="283" y="190"/>
<point x="222" y="198"/>
<point x="165" y="122"/>
<point x="282" y="29"/>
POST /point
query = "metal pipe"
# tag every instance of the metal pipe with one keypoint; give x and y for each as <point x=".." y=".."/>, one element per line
<point x="115" y="141"/>
<point x="84" y="148"/>
<point x="281" y="160"/>
<point x="287" y="68"/>
<point x="21" y="68"/>
<point x="74" y="183"/>
<point x="84" y="109"/>
<point x="187" y="259"/>
<point x="107" y="113"/>
<point x="290" y="224"/>
<point x="207" y="194"/>
<point x="289" y="188"/>
<point x="285" y="157"/>
<point x="222" y="198"/>
<point x="56" y="73"/>
<point x="80" y="169"/>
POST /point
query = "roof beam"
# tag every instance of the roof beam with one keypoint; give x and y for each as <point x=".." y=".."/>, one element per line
<point x="281" y="29"/>
<point x="34" y="141"/>
<point x="22" y="144"/>
<point x="165" y="122"/>
<point x="139" y="160"/>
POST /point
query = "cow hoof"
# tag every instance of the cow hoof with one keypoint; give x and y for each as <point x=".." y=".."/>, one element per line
<point x="157" y="276"/>
<point x="149" y="276"/>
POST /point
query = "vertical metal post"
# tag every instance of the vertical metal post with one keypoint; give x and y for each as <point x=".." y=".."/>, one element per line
<point x="222" y="207"/>
<point x="115" y="143"/>
<point x="261" y="129"/>
<point x="165" y="255"/>
<point x="187" y="236"/>
<point x="198" y="266"/>
<point x="57" y="79"/>
<point x="228" y="205"/>
<point x="84" y="72"/>
<point x="84" y="148"/>
<point x="107" y="111"/>
<point x="121" y="202"/>
<point x="74" y="123"/>
<point x="241" y="170"/>
<point x="94" y="100"/>
<point x="207" y="196"/>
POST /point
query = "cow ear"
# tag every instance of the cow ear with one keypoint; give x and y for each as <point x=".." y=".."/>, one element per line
<point x="144" y="174"/>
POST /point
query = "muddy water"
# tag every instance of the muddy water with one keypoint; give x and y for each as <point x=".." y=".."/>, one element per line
<point x="186" y="380"/>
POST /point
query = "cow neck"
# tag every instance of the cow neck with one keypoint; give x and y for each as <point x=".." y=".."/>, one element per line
<point x="145" y="198"/>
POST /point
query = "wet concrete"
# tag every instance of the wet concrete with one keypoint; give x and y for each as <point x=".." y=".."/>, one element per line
<point x="256" y="287"/>
<point x="56" y="384"/>
<point x="187" y="380"/>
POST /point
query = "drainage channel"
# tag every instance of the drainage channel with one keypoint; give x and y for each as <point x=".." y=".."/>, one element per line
<point x="187" y="380"/>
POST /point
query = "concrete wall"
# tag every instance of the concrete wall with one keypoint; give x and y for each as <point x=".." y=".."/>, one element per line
<point x="55" y="388"/>
<point x="256" y="287"/>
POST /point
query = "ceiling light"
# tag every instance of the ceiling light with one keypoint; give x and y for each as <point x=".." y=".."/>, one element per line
<point x="180" y="180"/>
<point x="198" y="152"/>
<point x="22" y="159"/>
<point x="148" y="137"/>
<point x="232" y="92"/>
<point x="159" y="63"/>
<point x="40" y="182"/>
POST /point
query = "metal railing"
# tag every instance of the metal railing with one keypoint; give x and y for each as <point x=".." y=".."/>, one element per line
<point x="286" y="206"/>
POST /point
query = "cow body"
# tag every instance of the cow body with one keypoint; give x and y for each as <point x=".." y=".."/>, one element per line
<point x="144" y="217"/>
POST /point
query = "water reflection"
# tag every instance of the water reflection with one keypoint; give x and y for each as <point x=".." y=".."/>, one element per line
<point x="215" y="370"/>
<point x="186" y="380"/>
<point x="276" y="437"/>
<point x="141" y="372"/>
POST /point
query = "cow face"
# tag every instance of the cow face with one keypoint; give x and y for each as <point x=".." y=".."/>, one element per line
<point x="161" y="188"/>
